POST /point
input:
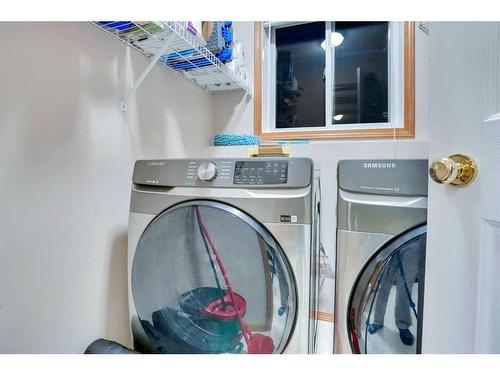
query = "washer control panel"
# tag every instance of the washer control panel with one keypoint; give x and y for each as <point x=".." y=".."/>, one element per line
<point x="271" y="173"/>
<point x="251" y="172"/>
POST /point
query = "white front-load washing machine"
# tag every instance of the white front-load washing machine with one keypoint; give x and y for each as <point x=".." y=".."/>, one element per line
<point x="222" y="255"/>
<point x="380" y="258"/>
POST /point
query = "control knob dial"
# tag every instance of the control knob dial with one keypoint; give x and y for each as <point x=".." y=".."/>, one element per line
<point x="207" y="171"/>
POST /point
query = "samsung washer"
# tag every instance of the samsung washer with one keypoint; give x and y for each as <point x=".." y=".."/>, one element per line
<point x="261" y="217"/>
<point x="380" y="257"/>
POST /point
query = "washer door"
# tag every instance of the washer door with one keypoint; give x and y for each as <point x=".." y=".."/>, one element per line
<point x="385" y="310"/>
<point x="180" y="291"/>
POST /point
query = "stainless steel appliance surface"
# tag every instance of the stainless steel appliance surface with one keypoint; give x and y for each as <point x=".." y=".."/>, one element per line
<point x="380" y="255"/>
<point x="223" y="252"/>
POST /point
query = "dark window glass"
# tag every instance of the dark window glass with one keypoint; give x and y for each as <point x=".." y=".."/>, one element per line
<point x="361" y="72"/>
<point x="300" y="83"/>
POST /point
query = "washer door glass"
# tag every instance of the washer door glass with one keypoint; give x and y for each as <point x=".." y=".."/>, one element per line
<point x="208" y="278"/>
<point x="385" y="311"/>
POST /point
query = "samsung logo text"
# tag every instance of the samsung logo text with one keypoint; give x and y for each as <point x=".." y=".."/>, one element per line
<point x="379" y="165"/>
<point x="155" y="163"/>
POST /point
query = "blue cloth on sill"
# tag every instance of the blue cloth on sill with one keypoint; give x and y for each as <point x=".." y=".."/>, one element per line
<point x="235" y="140"/>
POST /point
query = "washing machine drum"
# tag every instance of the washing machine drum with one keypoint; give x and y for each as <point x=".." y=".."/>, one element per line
<point x="208" y="278"/>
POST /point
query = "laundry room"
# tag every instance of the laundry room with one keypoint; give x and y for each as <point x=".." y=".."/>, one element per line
<point x="322" y="186"/>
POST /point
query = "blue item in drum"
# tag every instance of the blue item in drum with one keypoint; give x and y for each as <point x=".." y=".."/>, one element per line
<point x="190" y="330"/>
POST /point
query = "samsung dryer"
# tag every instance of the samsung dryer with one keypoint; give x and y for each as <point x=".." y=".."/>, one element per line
<point x="380" y="257"/>
<point x="221" y="255"/>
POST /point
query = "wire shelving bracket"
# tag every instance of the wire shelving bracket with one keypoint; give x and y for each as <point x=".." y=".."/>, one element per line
<point x="170" y="44"/>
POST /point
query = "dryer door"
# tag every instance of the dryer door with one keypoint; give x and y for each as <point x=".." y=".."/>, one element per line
<point x="182" y="266"/>
<point x="385" y="309"/>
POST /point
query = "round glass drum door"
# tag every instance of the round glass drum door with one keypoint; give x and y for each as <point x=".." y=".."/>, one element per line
<point x="385" y="311"/>
<point x="208" y="278"/>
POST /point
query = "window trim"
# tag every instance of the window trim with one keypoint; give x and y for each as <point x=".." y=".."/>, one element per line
<point x="405" y="131"/>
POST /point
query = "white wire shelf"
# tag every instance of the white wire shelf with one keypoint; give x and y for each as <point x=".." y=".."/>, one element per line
<point x="171" y="44"/>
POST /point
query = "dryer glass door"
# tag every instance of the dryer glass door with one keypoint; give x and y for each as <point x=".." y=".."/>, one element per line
<point x="182" y="266"/>
<point x="385" y="310"/>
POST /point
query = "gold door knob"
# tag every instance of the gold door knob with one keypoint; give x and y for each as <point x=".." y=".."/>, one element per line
<point x="457" y="170"/>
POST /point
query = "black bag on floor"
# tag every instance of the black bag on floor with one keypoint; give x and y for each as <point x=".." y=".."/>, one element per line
<point x="102" y="346"/>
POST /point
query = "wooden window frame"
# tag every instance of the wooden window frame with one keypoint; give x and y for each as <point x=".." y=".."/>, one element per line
<point x="407" y="131"/>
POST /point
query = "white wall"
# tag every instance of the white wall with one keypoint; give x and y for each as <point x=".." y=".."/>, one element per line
<point x="66" y="159"/>
<point x="234" y="114"/>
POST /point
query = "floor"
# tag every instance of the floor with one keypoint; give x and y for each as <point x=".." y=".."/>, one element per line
<point x="326" y="304"/>
<point x="325" y="338"/>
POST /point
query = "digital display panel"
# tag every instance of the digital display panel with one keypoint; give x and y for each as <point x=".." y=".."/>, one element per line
<point x="259" y="172"/>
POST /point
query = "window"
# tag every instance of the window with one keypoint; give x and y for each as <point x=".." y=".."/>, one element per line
<point x="317" y="80"/>
<point x="300" y="72"/>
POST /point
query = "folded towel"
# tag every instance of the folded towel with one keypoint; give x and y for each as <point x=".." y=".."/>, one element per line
<point x="235" y="140"/>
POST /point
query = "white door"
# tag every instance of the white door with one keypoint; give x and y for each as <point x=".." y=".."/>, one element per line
<point x="462" y="285"/>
